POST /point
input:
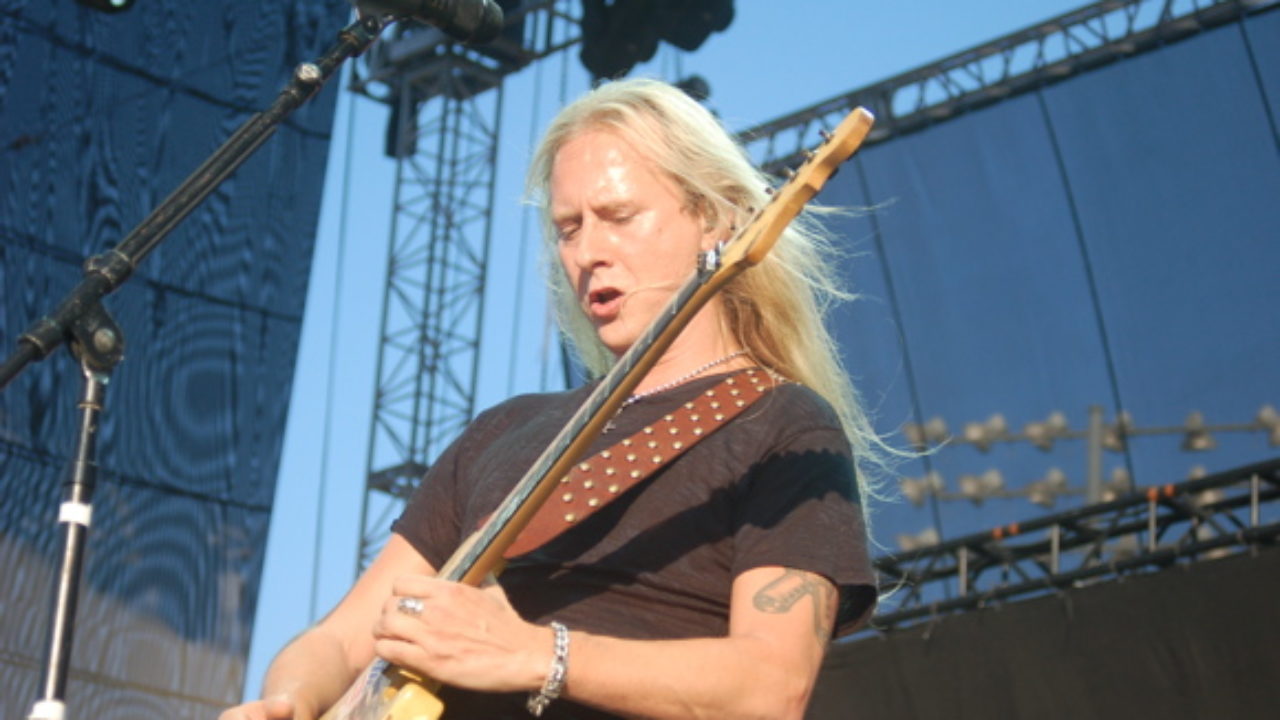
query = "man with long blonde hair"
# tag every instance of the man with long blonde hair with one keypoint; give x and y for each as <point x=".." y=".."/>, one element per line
<point x="710" y="587"/>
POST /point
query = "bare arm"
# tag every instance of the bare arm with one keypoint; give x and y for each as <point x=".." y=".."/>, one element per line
<point x="315" y="668"/>
<point x="779" y="625"/>
<point x="780" y="620"/>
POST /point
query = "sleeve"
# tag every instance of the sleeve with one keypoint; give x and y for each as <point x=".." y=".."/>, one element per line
<point x="433" y="518"/>
<point x="799" y="508"/>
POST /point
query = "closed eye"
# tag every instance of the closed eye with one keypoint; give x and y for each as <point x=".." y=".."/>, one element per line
<point x="619" y="215"/>
<point x="565" y="232"/>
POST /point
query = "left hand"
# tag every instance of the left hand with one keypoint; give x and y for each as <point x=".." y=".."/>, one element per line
<point x="466" y="637"/>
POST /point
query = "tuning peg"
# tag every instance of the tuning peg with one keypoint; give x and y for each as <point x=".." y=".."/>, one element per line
<point x="826" y="136"/>
<point x="789" y="173"/>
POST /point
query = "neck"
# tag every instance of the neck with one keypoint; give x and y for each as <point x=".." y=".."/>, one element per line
<point x="704" y="347"/>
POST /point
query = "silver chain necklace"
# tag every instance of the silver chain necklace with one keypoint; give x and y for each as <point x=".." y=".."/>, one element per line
<point x="680" y="380"/>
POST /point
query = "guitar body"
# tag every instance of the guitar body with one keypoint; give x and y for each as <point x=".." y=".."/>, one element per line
<point x="384" y="692"/>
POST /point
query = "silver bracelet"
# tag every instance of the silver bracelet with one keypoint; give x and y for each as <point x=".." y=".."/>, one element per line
<point x="554" y="683"/>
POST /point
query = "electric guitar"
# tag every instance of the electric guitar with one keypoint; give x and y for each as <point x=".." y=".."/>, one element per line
<point x="385" y="692"/>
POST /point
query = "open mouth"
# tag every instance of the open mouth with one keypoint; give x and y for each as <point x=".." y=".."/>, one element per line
<point x="604" y="303"/>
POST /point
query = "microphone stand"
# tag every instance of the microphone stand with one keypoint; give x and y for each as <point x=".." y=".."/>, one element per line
<point x="98" y="344"/>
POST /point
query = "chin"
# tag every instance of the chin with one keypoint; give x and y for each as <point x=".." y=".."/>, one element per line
<point x="614" y="339"/>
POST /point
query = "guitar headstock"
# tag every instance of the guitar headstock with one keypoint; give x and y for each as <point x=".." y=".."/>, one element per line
<point x="755" y="241"/>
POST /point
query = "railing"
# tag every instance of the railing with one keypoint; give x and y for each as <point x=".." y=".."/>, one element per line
<point x="1145" y="530"/>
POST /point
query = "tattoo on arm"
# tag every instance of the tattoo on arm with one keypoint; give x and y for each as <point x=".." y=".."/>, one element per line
<point x="782" y="594"/>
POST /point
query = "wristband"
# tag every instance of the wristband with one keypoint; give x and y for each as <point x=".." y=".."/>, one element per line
<point x="554" y="683"/>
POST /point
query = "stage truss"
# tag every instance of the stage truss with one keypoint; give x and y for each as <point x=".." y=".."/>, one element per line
<point x="1055" y="49"/>
<point x="1149" y="529"/>
<point x="446" y="102"/>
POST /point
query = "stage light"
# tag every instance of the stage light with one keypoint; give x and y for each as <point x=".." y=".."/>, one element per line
<point x="107" y="6"/>
<point x="1038" y="434"/>
<point x="1119" y="484"/>
<point x="618" y="34"/>
<point x="936" y="430"/>
<point x="1042" y="434"/>
<point x="1198" y="438"/>
<point x="923" y="539"/>
<point x="1208" y="497"/>
<point x="933" y="432"/>
<point x="983" y="434"/>
<point x="917" y="489"/>
<point x="1045" y="491"/>
<point x="696" y="87"/>
<point x="914" y="433"/>
<point x="1115" y="437"/>
<point x="1270" y="419"/>
<point x="981" y="487"/>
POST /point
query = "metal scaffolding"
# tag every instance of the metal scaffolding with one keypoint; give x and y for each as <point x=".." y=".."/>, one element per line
<point x="446" y="108"/>
<point x="1047" y="52"/>
<point x="1145" y="530"/>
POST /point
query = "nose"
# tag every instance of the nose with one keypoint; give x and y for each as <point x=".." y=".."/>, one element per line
<point x="590" y="246"/>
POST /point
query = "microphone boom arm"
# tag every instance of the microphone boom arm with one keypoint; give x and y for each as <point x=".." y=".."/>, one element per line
<point x="106" y="272"/>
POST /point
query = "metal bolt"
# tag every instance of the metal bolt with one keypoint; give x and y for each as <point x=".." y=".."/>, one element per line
<point x="308" y="73"/>
<point x="104" y="340"/>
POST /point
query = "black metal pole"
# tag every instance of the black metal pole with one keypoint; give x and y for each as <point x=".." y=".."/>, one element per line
<point x="74" y="515"/>
<point x="99" y="346"/>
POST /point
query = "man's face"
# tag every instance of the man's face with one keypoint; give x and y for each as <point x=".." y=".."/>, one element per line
<point x="625" y="240"/>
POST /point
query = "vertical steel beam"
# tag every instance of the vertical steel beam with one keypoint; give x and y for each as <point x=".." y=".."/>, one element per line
<point x="448" y="99"/>
<point x="433" y="305"/>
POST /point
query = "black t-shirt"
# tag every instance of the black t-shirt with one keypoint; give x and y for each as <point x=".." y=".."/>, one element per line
<point x="774" y="486"/>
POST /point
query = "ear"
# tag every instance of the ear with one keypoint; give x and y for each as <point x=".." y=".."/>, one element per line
<point x="713" y="233"/>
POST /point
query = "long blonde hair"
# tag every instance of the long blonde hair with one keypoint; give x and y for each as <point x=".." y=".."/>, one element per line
<point x="775" y="309"/>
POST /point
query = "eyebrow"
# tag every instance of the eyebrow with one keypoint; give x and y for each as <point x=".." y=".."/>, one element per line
<point x="607" y="209"/>
<point x="559" y="218"/>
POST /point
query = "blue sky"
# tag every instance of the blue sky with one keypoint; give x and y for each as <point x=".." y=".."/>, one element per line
<point x="775" y="58"/>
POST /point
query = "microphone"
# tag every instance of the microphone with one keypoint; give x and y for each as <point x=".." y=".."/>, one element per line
<point x="471" y="21"/>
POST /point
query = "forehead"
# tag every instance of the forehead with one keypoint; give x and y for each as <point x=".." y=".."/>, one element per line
<point x="600" y="162"/>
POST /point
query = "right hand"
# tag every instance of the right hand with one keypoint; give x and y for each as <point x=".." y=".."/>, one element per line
<point x="272" y="708"/>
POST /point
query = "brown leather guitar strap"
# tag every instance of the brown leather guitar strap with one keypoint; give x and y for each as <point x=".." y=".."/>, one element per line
<point x="599" y="479"/>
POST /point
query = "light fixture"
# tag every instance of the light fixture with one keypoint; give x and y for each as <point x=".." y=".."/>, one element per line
<point x="977" y="488"/>
<point x="923" y="539"/>
<point x="1045" y="491"/>
<point x="1115" y="437"/>
<point x="936" y="430"/>
<point x="933" y="432"/>
<point x="1119" y="484"/>
<point x="1198" y="438"/>
<point x="1270" y="419"/>
<point x="914" y="432"/>
<point x="696" y="87"/>
<point x="917" y="489"/>
<point x="1042" y="434"/>
<point x="107" y="6"/>
<point x="1205" y="498"/>
<point x="983" y="434"/>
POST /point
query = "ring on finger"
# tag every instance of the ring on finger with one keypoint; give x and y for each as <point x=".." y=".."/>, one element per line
<point x="410" y="606"/>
